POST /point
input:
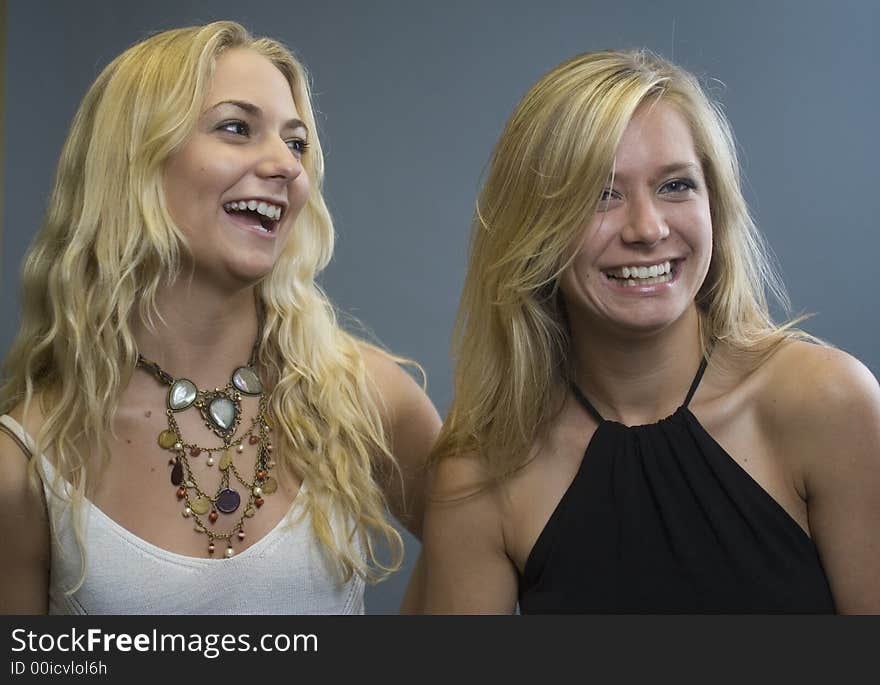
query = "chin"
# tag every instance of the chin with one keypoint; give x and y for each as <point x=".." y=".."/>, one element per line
<point x="252" y="275"/>
<point x="648" y="319"/>
<point x="252" y="265"/>
<point x="239" y="274"/>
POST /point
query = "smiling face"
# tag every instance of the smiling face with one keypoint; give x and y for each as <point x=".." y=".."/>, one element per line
<point x="237" y="183"/>
<point x="646" y="251"/>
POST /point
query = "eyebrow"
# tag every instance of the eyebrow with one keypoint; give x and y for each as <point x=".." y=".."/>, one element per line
<point x="252" y="109"/>
<point x="665" y="169"/>
<point x="678" y="166"/>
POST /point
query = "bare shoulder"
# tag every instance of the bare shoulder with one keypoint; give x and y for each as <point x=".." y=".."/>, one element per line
<point x="828" y="417"/>
<point x="809" y="387"/>
<point x="468" y="569"/>
<point x="461" y="477"/>
<point x="412" y="424"/>
<point x="14" y="458"/>
<point x="404" y="403"/>
<point x="467" y="503"/>
<point x="823" y="407"/>
<point x="24" y="563"/>
<point x="400" y="392"/>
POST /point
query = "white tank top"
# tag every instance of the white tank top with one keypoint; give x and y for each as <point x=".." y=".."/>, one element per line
<point x="285" y="572"/>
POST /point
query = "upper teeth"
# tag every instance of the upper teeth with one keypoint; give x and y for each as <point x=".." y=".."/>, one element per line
<point x="642" y="271"/>
<point x="258" y="206"/>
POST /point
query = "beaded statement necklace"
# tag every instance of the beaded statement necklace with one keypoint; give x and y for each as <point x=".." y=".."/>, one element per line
<point x="221" y="411"/>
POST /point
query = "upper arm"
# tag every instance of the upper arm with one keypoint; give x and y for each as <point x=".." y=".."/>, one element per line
<point x="412" y="424"/>
<point x="24" y="567"/>
<point x="837" y="435"/>
<point x="466" y="566"/>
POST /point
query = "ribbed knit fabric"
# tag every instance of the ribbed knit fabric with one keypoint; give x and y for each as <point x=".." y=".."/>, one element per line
<point x="285" y="572"/>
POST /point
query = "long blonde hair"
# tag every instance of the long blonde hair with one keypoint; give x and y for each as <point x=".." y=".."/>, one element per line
<point x="556" y="153"/>
<point x="107" y="245"/>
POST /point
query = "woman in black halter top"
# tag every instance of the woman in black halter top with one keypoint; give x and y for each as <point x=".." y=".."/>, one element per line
<point x="631" y="432"/>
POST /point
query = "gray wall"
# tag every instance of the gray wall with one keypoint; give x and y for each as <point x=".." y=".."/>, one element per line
<point x="412" y="96"/>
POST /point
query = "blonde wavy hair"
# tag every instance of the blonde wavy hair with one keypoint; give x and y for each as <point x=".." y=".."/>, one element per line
<point x="545" y="178"/>
<point x="108" y="243"/>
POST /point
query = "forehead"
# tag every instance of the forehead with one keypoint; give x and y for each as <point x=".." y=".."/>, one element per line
<point x="241" y="74"/>
<point x="657" y="135"/>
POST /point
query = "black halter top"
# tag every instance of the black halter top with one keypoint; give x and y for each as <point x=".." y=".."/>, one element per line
<point x="660" y="519"/>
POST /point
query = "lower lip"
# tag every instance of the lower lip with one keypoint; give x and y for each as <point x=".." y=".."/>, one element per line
<point x="245" y="224"/>
<point x="645" y="290"/>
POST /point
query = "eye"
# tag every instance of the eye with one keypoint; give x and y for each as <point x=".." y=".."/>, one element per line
<point x="606" y="199"/>
<point x="678" y="185"/>
<point x="235" y="127"/>
<point x="298" y="146"/>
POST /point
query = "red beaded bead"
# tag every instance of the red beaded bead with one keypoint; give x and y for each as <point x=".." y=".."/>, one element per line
<point x="212" y="516"/>
<point x="261" y="475"/>
<point x="181" y="492"/>
<point x="259" y="501"/>
<point x="194" y="452"/>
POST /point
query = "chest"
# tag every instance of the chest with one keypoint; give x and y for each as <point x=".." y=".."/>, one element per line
<point x="185" y="502"/>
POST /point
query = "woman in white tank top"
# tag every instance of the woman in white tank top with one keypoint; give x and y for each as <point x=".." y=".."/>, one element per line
<point x="199" y="436"/>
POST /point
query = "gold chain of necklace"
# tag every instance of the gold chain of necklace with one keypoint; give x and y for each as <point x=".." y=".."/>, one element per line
<point x="221" y="411"/>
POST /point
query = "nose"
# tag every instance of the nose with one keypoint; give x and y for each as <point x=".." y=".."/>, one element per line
<point x="645" y="222"/>
<point x="278" y="162"/>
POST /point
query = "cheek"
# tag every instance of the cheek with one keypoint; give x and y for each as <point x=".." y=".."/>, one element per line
<point x="299" y="191"/>
<point x="580" y="274"/>
<point x="594" y="240"/>
<point x="175" y="199"/>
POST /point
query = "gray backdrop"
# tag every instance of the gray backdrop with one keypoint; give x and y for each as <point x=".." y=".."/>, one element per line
<point x="412" y="96"/>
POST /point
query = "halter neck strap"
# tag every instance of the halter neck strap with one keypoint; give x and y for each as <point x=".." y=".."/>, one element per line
<point x="592" y="411"/>
<point x="585" y="403"/>
<point x="696" y="382"/>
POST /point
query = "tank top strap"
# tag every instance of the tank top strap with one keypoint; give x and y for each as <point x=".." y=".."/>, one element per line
<point x="585" y="403"/>
<point x="696" y="382"/>
<point x="592" y="411"/>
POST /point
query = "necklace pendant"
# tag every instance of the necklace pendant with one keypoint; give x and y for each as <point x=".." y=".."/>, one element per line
<point x="228" y="500"/>
<point x="226" y="459"/>
<point x="201" y="505"/>
<point x="182" y="394"/>
<point x="223" y="413"/>
<point x="177" y="474"/>
<point x="167" y="439"/>
<point x="246" y="380"/>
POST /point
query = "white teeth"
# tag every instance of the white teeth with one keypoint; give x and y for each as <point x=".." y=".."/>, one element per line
<point x="641" y="272"/>
<point x="268" y="210"/>
<point x="663" y="278"/>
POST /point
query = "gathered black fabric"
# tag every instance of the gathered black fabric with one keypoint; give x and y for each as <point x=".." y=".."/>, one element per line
<point x="660" y="519"/>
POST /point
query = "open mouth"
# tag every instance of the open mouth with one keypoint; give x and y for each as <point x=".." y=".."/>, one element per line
<point x="632" y="276"/>
<point x="259" y="213"/>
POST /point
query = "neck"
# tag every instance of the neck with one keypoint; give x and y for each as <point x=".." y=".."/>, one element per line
<point x="201" y="334"/>
<point x="636" y="379"/>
